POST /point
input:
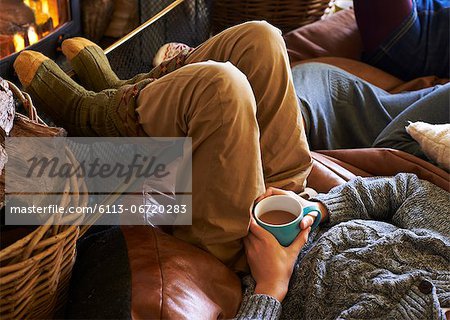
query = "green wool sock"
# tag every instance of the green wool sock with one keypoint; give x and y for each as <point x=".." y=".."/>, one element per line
<point x="81" y="112"/>
<point x="90" y="64"/>
<point x="94" y="70"/>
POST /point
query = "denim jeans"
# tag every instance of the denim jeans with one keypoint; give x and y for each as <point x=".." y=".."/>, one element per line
<point x="344" y="111"/>
<point x="420" y="45"/>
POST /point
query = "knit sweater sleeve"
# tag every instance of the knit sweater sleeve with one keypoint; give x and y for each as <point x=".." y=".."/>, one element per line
<point x="380" y="199"/>
<point x="257" y="306"/>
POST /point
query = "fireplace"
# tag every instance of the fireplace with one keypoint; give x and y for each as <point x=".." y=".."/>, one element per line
<point x="38" y="25"/>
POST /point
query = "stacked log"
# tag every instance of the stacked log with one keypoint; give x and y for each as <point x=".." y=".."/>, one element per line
<point x="17" y="125"/>
<point x="15" y="17"/>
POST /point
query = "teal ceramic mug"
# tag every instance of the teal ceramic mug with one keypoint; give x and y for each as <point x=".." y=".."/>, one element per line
<point x="284" y="233"/>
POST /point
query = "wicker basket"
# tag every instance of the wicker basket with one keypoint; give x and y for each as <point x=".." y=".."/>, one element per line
<point x="35" y="270"/>
<point x="284" y="14"/>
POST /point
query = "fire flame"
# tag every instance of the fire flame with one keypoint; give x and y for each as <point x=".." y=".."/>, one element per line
<point x="45" y="7"/>
<point x="19" y="39"/>
<point x="43" y="11"/>
<point x="47" y="17"/>
<point x="19" y="42"/>
<point x="32" y="35"/>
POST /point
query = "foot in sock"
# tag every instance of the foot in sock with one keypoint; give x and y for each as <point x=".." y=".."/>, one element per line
<point x="90" y="64"/>
<point x="81" y="112"/>
<point x="95" y="73"/>
<point x="50" y="88"/>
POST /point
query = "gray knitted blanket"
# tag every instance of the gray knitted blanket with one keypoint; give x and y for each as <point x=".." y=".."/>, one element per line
<point x="384" y="254"/>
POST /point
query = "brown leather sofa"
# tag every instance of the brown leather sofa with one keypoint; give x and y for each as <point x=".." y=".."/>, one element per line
<point x="173" y="279"/>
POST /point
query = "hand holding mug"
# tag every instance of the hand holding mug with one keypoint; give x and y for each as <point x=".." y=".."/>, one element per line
<point x="270" y="263"/>
<point x="284" y="214"/>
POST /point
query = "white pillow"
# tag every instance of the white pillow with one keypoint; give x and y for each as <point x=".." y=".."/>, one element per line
<point x="434" y="139"/>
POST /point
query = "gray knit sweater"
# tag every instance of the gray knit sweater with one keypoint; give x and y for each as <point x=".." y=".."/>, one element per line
<point x="384" y="254"/>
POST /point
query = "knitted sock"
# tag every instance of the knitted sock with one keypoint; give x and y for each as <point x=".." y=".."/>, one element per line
<point x="169" y="51"/>
<point x="90" y="64"/>
<point x="95" y="73"/>
<point x="80" y="112"/>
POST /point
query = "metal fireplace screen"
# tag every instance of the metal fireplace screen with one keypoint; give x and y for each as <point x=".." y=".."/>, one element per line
<point x="188" y="23"/>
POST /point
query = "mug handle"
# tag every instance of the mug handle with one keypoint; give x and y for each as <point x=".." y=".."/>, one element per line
<point x="309" y="209"/>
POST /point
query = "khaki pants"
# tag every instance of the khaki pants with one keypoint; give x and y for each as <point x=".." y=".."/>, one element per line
<point x="236" y="100"/>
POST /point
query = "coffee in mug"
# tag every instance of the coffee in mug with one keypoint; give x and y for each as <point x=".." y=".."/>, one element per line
<point x="281" y="215"/>
<point x="277" y="217"/>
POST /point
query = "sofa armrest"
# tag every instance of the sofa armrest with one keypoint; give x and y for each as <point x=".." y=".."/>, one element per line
<point x="386" y="162"/>
<point x="326" y="175"/>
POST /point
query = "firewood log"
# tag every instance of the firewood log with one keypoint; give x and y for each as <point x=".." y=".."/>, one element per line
<point x="14" y="16"/>
<point x="22" y="126"/>
<point x="7" y="108"/>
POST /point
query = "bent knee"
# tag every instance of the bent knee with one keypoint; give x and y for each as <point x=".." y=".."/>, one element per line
<point x="228" y="79"/>
<point x="260" y="29"/>
<point x="259" y="39"/>
<point x="223" y="72"/>
<point x="230" y="85"/>
<point x="234" y="87"/>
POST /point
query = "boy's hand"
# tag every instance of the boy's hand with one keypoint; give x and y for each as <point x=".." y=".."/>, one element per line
<point x="270" y="263"/>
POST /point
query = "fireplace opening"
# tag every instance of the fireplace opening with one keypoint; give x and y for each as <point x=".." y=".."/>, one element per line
<point x="26" y="22"/>
<point x="38" y="25"/>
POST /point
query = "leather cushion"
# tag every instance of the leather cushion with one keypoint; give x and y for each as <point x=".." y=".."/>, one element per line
<point x="141" y="272"/>
<point x="172" y="279"/>
<point x="377" y="76"/>
<point x="336" y="36"/>
<point x="382" y="162"/>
